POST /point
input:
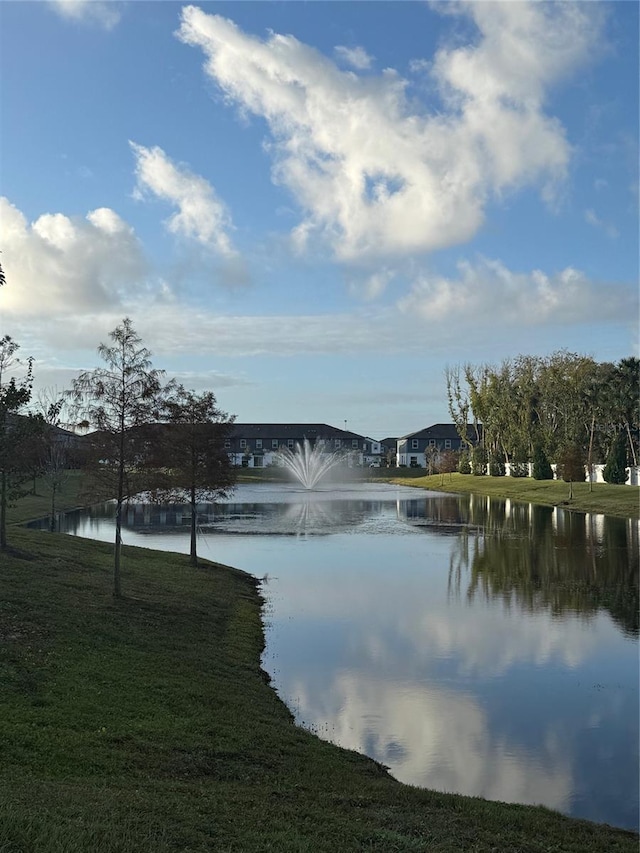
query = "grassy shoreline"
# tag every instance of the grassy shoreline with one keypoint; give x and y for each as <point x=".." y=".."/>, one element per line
<point x="147" y="725"/>
<point x="620" y="501"/>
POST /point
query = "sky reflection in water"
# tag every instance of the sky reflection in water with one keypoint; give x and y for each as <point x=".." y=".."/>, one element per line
<point x="471" y="645"/>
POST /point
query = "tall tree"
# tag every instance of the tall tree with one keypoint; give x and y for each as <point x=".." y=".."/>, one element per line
<point x="192" y="452"/>
<point x="119" y="400"/>
<point x="15" y="429"/>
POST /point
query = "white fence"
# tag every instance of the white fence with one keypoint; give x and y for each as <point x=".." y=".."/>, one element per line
<point x="633" y="473"/>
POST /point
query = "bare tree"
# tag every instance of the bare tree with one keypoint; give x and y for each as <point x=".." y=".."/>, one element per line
<point x="118" y="401"/>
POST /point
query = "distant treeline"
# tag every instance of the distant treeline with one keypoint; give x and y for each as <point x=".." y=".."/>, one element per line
<point x="557" y="404"/>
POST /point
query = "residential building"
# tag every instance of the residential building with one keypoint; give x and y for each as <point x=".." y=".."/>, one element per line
<point x="257" y="445"/>
<point x="414" y="449"/>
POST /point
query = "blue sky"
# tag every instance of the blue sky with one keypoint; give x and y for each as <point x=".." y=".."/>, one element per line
<point x="312" y="208"/>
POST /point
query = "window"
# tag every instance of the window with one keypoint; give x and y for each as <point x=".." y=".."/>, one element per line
<point x="414" y="443"/>
<point x="289" y="442"/>
<point x="227" y="443"/>
<point x="243" y="442"/>
<point x="274" y="443"/>
<point x="447" y="443"/>
<point x="338" y="443"/>
<point x="258" y="444"/>
<point x="432" y="442"/>
<point x="354" y="442"/>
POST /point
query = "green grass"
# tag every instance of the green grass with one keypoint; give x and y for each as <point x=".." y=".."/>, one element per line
<point x="38" y="503"/>
<point x="146" y="724"/>
<point x="622" y="501"/>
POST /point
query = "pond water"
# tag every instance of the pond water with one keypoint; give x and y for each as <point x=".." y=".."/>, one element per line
<point x="469" y="644"/>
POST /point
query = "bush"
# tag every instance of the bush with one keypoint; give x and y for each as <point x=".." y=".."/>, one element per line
<point x="615" y="470"/>
<point x="541" y="466"/>
<point x="496" y="467"/>
<point x="464" y="465"/>
<point x="518" y="468"/>
<point x="478" y="461"/>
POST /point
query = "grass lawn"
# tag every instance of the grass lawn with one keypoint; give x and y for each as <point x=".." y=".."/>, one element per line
<point x="622" y="501"/>
<point x="146" y="725"/>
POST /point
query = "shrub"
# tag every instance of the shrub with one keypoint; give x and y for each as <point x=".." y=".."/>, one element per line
<point x="478" y="461"/>
<point x="541" y="466"/>
<point x="615" y="470"/>
<point x="519" y="468"/>
<point x="496" y="467"/>
<point x="464" y="465"/>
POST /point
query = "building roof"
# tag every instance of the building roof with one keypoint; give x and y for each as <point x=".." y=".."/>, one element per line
<point x="296" y="431"/>
<point x="443" y="431"/>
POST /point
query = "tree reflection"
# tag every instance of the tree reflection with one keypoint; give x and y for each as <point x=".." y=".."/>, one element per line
<point x="537" y="557"/>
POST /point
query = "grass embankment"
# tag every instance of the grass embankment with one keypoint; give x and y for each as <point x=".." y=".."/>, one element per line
<point x="622" y="501"/>
<point x="145" y="725"/>
<point x="38" y="504"/>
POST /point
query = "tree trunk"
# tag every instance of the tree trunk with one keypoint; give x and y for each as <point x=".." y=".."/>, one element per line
<point x="52" y="520"/>
<point x="3" y="511"/>
<point x="590" y="460"/>
<point x="193" y="555"/>
<point x="633" y="450"/>
<point x="117" y="592"/>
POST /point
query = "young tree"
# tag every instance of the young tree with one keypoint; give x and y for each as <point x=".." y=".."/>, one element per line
<point x="54" y="451"/>
<point x="570" y="466"/>
<point x="119" y="400"/>
<point x="448" y="463"/>
<point x="195" y="460"/>
<point x="15" y="430"/>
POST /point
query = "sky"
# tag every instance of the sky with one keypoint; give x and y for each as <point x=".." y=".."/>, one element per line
<point x="313" y="208"/>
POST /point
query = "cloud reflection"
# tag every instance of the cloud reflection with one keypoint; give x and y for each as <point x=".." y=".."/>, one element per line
<point x="436" y="738"/>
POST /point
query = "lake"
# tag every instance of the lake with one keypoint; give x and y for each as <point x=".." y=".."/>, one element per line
<point x="470" y="644"/>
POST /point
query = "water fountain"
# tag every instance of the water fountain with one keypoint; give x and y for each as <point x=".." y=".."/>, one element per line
<point x="309" y="464"/>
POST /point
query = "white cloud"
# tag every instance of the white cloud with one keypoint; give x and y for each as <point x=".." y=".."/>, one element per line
<point x="487" y="293"/>
<point x="58" y="265"/>
<point x="357" y="57"/>
<point x="201" y="215"/>
<point x="591" y="217"/>
<point x="372" y="286"/>
<point x="421" y="180"/>
<point x="104" y="14"/>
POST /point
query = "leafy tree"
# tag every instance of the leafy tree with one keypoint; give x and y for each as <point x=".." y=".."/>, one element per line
<point x="119" y="400"/>
<point x="191" y="443"/>
<point x="570" y="466"/>
<point x="54" y="451"/>
<point x="15" y="429"/>
<point x="447" y="463"/>
<point x="615" y="471"/>
<point x="542" y="469"/>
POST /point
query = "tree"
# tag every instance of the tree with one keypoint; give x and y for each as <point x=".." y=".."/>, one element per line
<point x="615" y="471"/>
<point x="54" y="453"/>
<point x="119" y="401"/>
<point x="15" y="430"/>
<point x="447" y="463"/>
<point x="570" y="466"/>
<point x="193" y="454"/>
